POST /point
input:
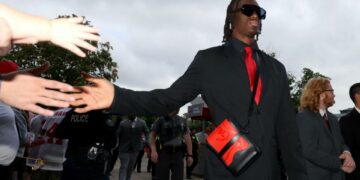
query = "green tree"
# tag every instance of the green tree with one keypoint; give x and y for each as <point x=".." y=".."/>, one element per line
<point x="64" y="65"/>
<point x="297" y="86"/>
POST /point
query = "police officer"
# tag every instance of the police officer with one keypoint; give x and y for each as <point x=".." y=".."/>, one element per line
<point x="91" y="137"/>
<point x="172" y="132"/>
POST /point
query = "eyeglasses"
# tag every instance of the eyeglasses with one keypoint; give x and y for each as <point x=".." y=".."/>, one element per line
<point x="331" y="90"/>
<point x="249" y="9"/>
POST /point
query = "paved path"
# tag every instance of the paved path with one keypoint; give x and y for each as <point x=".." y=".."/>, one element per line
<point x="143" y="175"/>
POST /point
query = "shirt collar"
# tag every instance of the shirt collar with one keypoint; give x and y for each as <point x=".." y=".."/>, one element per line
<point x="322" y="112"/>
<point x="239" y="45"/>
<point x="357" y="109"/>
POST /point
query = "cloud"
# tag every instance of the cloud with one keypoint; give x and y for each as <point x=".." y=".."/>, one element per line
<point x="320" y="35"/>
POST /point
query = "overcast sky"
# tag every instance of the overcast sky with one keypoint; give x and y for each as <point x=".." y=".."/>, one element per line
<point x="154" y="41"/>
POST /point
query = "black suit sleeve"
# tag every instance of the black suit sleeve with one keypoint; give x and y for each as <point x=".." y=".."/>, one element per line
<point x="160" y="101"/>
<point x="309" y="135"/>
<point x="288" y="136"/>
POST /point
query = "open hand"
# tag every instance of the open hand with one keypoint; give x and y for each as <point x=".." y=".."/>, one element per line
<point x="22" y="90"/>
<point x="71" y="35"/>
<point x="98" y="95"/>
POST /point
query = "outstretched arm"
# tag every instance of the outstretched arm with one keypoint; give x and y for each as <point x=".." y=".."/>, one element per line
<point x="67" y="33"/>
<point x="22" y="90"/>
<point x="5" y="37"/>
<point x="101" y="94"/>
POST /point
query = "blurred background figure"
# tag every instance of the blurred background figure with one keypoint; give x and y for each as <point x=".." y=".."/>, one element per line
<point x="132" y="131"/>
<point x="173" y="133"/>
<point x="46" y="154"/>
<point x="195" y="153"/>
<point x="91" y="137"/>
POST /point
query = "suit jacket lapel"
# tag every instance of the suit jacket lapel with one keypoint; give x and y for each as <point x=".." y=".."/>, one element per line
<point x="237" y="64"/>
<point x="327" y="130"/>
<point x="355" y="115"/>
<point x="332" y="132"/>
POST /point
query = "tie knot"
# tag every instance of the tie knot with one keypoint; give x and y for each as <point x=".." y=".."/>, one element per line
<point x="248" y="50"/>
<point x="325" y="116"/>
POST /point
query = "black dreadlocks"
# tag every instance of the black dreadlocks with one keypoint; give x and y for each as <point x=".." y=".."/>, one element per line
<point x="230" y="16"/>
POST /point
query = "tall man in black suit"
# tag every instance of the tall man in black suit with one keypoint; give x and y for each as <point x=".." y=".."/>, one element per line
<point x="320" y="134"/>
<point x="224" y="76"/>
<point x="349" y="125"/>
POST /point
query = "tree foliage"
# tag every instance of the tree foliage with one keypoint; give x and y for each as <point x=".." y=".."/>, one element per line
<point x="64" y="65"/>
<point x="297" y="86"/>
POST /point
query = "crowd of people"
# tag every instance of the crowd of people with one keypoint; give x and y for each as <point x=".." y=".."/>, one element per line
<point x="257" y="135"/>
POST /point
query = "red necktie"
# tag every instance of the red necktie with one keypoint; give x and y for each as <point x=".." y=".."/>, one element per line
<point x="251" y="69"/>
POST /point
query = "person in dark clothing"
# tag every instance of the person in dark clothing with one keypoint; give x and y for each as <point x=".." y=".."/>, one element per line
<point x="132" y="131"/>
<point x="91" y="137"/>
<point x="141" y="153"/>
<point x="151" y="166"/>
<point x="147" y="153"/>
<point x="327" y="156"/>
<point x="224" y="76"/>
<point x="173" y="133"/>
<point x="349" y="125"/>
<point x="115" y="150"/>
<point x="195" y="153"/>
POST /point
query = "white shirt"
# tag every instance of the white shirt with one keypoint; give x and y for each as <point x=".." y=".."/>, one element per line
<point x="322" y="112"/>
<point x="357" y="109"/>
<point x="46" y="147"/>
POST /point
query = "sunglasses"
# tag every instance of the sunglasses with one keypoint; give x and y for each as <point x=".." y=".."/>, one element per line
<point x="249" y="9"/>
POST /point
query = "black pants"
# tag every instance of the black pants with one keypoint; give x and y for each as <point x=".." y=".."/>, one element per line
<point x="114" y="157"/>
<point x="84" y="170"/>
<point x="189" y="169"/>
<point x="5" y="172"/>
<point x="170" y="161"/>
<point x="151" y="166"/>
<point x="138" y="161"/>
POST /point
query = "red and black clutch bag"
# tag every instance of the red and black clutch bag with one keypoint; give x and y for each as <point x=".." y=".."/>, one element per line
<point x="233" y="147"/>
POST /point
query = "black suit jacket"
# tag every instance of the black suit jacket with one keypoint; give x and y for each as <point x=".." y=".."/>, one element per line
<point x="220" y="76"/>
<point x="349" y="125"/>
<point x="322" y="146"/>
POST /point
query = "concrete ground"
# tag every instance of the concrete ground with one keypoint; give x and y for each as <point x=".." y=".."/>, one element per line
<point x="143" y="175"/>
